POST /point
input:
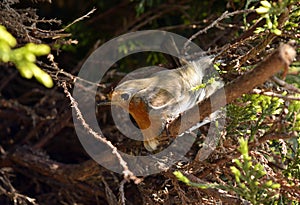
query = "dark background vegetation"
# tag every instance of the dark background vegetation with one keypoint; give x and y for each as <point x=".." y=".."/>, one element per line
<point x="42" y="160"/>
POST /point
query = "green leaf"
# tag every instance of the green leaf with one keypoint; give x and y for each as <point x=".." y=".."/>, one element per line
<point x="38" y="49"/>
<point x="262" y="10"/>
<point x="259" y="30"/>
<point x="276" y="32"/>
<point x="7" y="37"/>
<point x="181" y="177"/>
<point x="30" y="57"/>
<point x="238" y="162"/>
<point x="266" y="4"/>
<point x="269" y="23"/>
<point x="25" y="69"/>
<point x="243" y="146"/>
<point x="4" y="51"/>
<point x="45" y="79"/>
<point x="236" y="173"/>
<point x="269" y="183"/>
<point x="275" y="186"/>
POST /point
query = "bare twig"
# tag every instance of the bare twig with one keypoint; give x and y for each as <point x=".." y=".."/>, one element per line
<point x="11" y="192"/>
<point x="122" y="199"/>
<point x="109" y="12"/>
<point x="61" y="122"/>
<point x="214" y="23"/>
<point x="272" y="94"/>
<point x="70" y="76"/>
<point x="254" y="51"/>
<point x="127" y="173"/>
<point x="181" y="193"/>
<point x="286" y="85"/>
<point x="78" y="19"/>
<point x="272" y="136"/>
<point x="111" y="198"/>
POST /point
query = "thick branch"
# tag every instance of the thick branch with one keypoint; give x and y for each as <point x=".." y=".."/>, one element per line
<point x="67" y="174"/>
<point x="279" y="59"/>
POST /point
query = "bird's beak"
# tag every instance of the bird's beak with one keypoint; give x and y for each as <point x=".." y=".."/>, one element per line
<point x="108" y="101"/>
<point x="111" y="99"/>
<point x="104" y="103"/>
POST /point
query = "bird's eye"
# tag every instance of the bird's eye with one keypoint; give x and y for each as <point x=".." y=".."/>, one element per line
<point x="125" y="96"/>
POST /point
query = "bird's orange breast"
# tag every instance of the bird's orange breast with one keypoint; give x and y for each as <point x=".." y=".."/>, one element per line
<point x="138" y="110"/>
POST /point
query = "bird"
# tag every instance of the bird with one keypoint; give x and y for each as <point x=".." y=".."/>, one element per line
<point x="156" y="99"/>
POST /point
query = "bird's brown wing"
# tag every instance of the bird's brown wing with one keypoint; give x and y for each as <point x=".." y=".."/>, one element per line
<point x="159" y="98"/>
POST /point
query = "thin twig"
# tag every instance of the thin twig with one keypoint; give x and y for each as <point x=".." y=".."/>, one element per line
<point x="261" y="46"/>
<point x="127" y="173"/>
<point x="121" y="192"/>
<point x="286" y="85"/>
<point x="78" y="19"/>
<point x="111" y="198"/>
<point x="12" y="193"/>
<point x="214" y="23"/>
<point x="272" y="94"/>
<point x="272" y="136"/>
<point x="70" y="76"/>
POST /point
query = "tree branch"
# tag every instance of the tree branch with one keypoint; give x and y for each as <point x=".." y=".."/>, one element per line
<point x="280" y="58"/>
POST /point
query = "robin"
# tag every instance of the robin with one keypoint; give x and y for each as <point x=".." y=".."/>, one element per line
<point x="156" y="99"/>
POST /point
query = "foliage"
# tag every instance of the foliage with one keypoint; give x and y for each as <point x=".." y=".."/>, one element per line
<point x="267" y="11"/>
<point x="251" y="115"/>
<point x="24" y="57"/>
<point x="293" y="169"/>
<point x="255" y="116"/>
<point x="290" y="151"/>
<point x="294" y="79"/>
<point x="249" y="178"/>
<point x="250" y="182"/>
<point x="271" y="11"/>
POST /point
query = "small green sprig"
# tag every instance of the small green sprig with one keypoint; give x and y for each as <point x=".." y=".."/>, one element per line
<point x="24" y="57"/>
<point x="249" y="183"/>
<point x="270" y="13"/>
<point x="185" y="180"/>
<point x="248" y="177"/>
